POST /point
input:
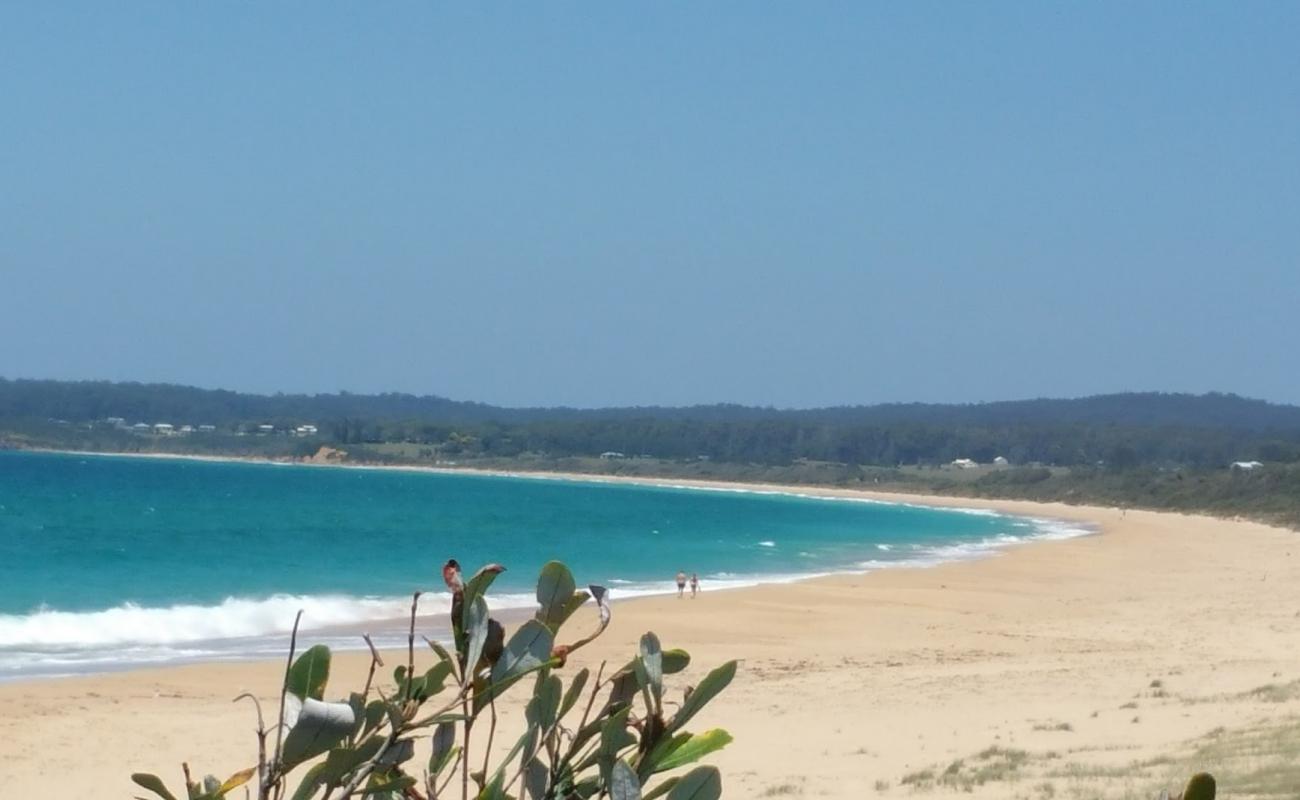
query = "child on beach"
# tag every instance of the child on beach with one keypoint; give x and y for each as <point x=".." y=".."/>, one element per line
<point x="681" y="584"/>
<point x="695" y="584"/>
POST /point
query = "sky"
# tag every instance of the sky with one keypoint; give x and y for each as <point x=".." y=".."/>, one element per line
<point x="668" y="203"/>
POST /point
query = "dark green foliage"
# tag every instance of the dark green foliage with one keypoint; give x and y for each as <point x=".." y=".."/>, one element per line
<point x="369" y="745"/>
<point x="1200" y="787"/>
<point x="1150" y="450"/>
<point x="1122" y="430"/>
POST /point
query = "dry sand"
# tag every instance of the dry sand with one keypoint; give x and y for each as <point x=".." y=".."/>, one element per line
<point x="1095" y="667"/>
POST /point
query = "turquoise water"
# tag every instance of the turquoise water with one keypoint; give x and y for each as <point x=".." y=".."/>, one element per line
<point x="107" y="562"/>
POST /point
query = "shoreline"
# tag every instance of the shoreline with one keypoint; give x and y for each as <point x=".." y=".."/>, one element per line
<point x="921" y="499"/>
<point x="1050" y="523"/>
<point x="1099" y="664"/>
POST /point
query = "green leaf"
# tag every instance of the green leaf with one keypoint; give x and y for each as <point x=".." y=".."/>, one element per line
<point x="651" y="659"/>
<point x="441" y="651"/>
<point x="614" y="737"/>
<point x="311" y="783"/>
<point x="343" y="760"/>
<point x="713" y="683"/>
<point x="444" y="747"/>
<point x="536" y="777"/>
<point x="398" y="752"/>
<point x="545" y="703"/>
<point x="154" y="784"/>
<point x="375" y="711"/>
<point x="529" y="648"/>
<point x="309" y="673"/>
<point x="478" y="585"/>
<point x="622" y="690"/>
<point x="358" y="703"/>
<point x="690" y="749"/>
<point x="701" y="783"/>
<point x="623" y="784"/>
<point x="434" y="681"/>
<point x="662" y="789"/>
<point x="494" y="790"/>
<point x="574" y="692"/>
<point x="317" y="727"/>
<point x="675" y="661"/>
<point x="476" y="630"/>
<point x="555" y="587"/>
<point x="576" y="602"/>
<point x="400" y="784"/>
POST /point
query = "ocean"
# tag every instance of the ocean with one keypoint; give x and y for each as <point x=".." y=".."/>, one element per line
<point x="109" y="562"/>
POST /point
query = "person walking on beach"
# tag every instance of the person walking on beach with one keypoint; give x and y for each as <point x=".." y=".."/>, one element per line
<point x="695" y="584"/>
<point x="681" y="584"/>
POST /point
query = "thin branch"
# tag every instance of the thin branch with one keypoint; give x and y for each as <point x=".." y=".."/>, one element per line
<point x="492" y="732"/>
<point x="464" y="753"/>
<point x="410" y="645"/>
<point x="450" y="776"/>
<point x="592" y="700"/>
<point x="261" y="746"/>
<point x="284" y="690"/>
<point x="375" y="661"/>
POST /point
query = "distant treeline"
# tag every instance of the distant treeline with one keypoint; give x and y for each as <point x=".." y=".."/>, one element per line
<point x="1118" y="431"/>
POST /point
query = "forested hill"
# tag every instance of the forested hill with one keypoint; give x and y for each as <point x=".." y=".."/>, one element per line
<point x="1120" y="430"/>
<point x="86" y="401"/>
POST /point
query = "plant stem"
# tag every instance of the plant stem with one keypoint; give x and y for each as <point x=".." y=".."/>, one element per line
<point x="273" y="773"/>
<point x="410" y="646"/>
<point x="375" y="661"/>
<point x="492" y="732"/>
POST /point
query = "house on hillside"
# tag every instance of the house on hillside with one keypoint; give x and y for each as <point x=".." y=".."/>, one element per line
<point x="610" y="455"/>
<point x="1247" y="465"/>
<point x="163" y="428"/>
<point x="964" y="463"/>
<point x="305" y="430"/>
<point x="1000" y="461"/>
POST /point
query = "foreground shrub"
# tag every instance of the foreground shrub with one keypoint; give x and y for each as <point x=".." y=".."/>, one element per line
<point x="607" y="735"/>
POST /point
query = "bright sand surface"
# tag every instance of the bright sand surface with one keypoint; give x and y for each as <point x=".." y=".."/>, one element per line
<point x="1098" y="667"/>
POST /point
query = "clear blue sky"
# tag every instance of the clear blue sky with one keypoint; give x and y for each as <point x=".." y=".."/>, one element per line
<point x="790" y="204"/>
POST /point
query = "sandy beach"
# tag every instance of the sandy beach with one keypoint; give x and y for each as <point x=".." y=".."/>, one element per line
<point x="1101" y="666"/>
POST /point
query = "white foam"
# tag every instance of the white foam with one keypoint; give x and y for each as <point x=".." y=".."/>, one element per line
<point x="50" y="642"/>
<point x="933" y="555"/>
<point x="767" y="543"/>
<point x="235" y="617"/>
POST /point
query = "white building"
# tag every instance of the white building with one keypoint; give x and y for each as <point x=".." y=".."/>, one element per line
<point x="610" y="455"/>
<point x="1001" y="461"/>
<point x="163" y="428"/>
<point x="305" y="430"/>
<point x="207" y="429"/>
<point x="1246" y="465"/>
<point x="964" y="463"/>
